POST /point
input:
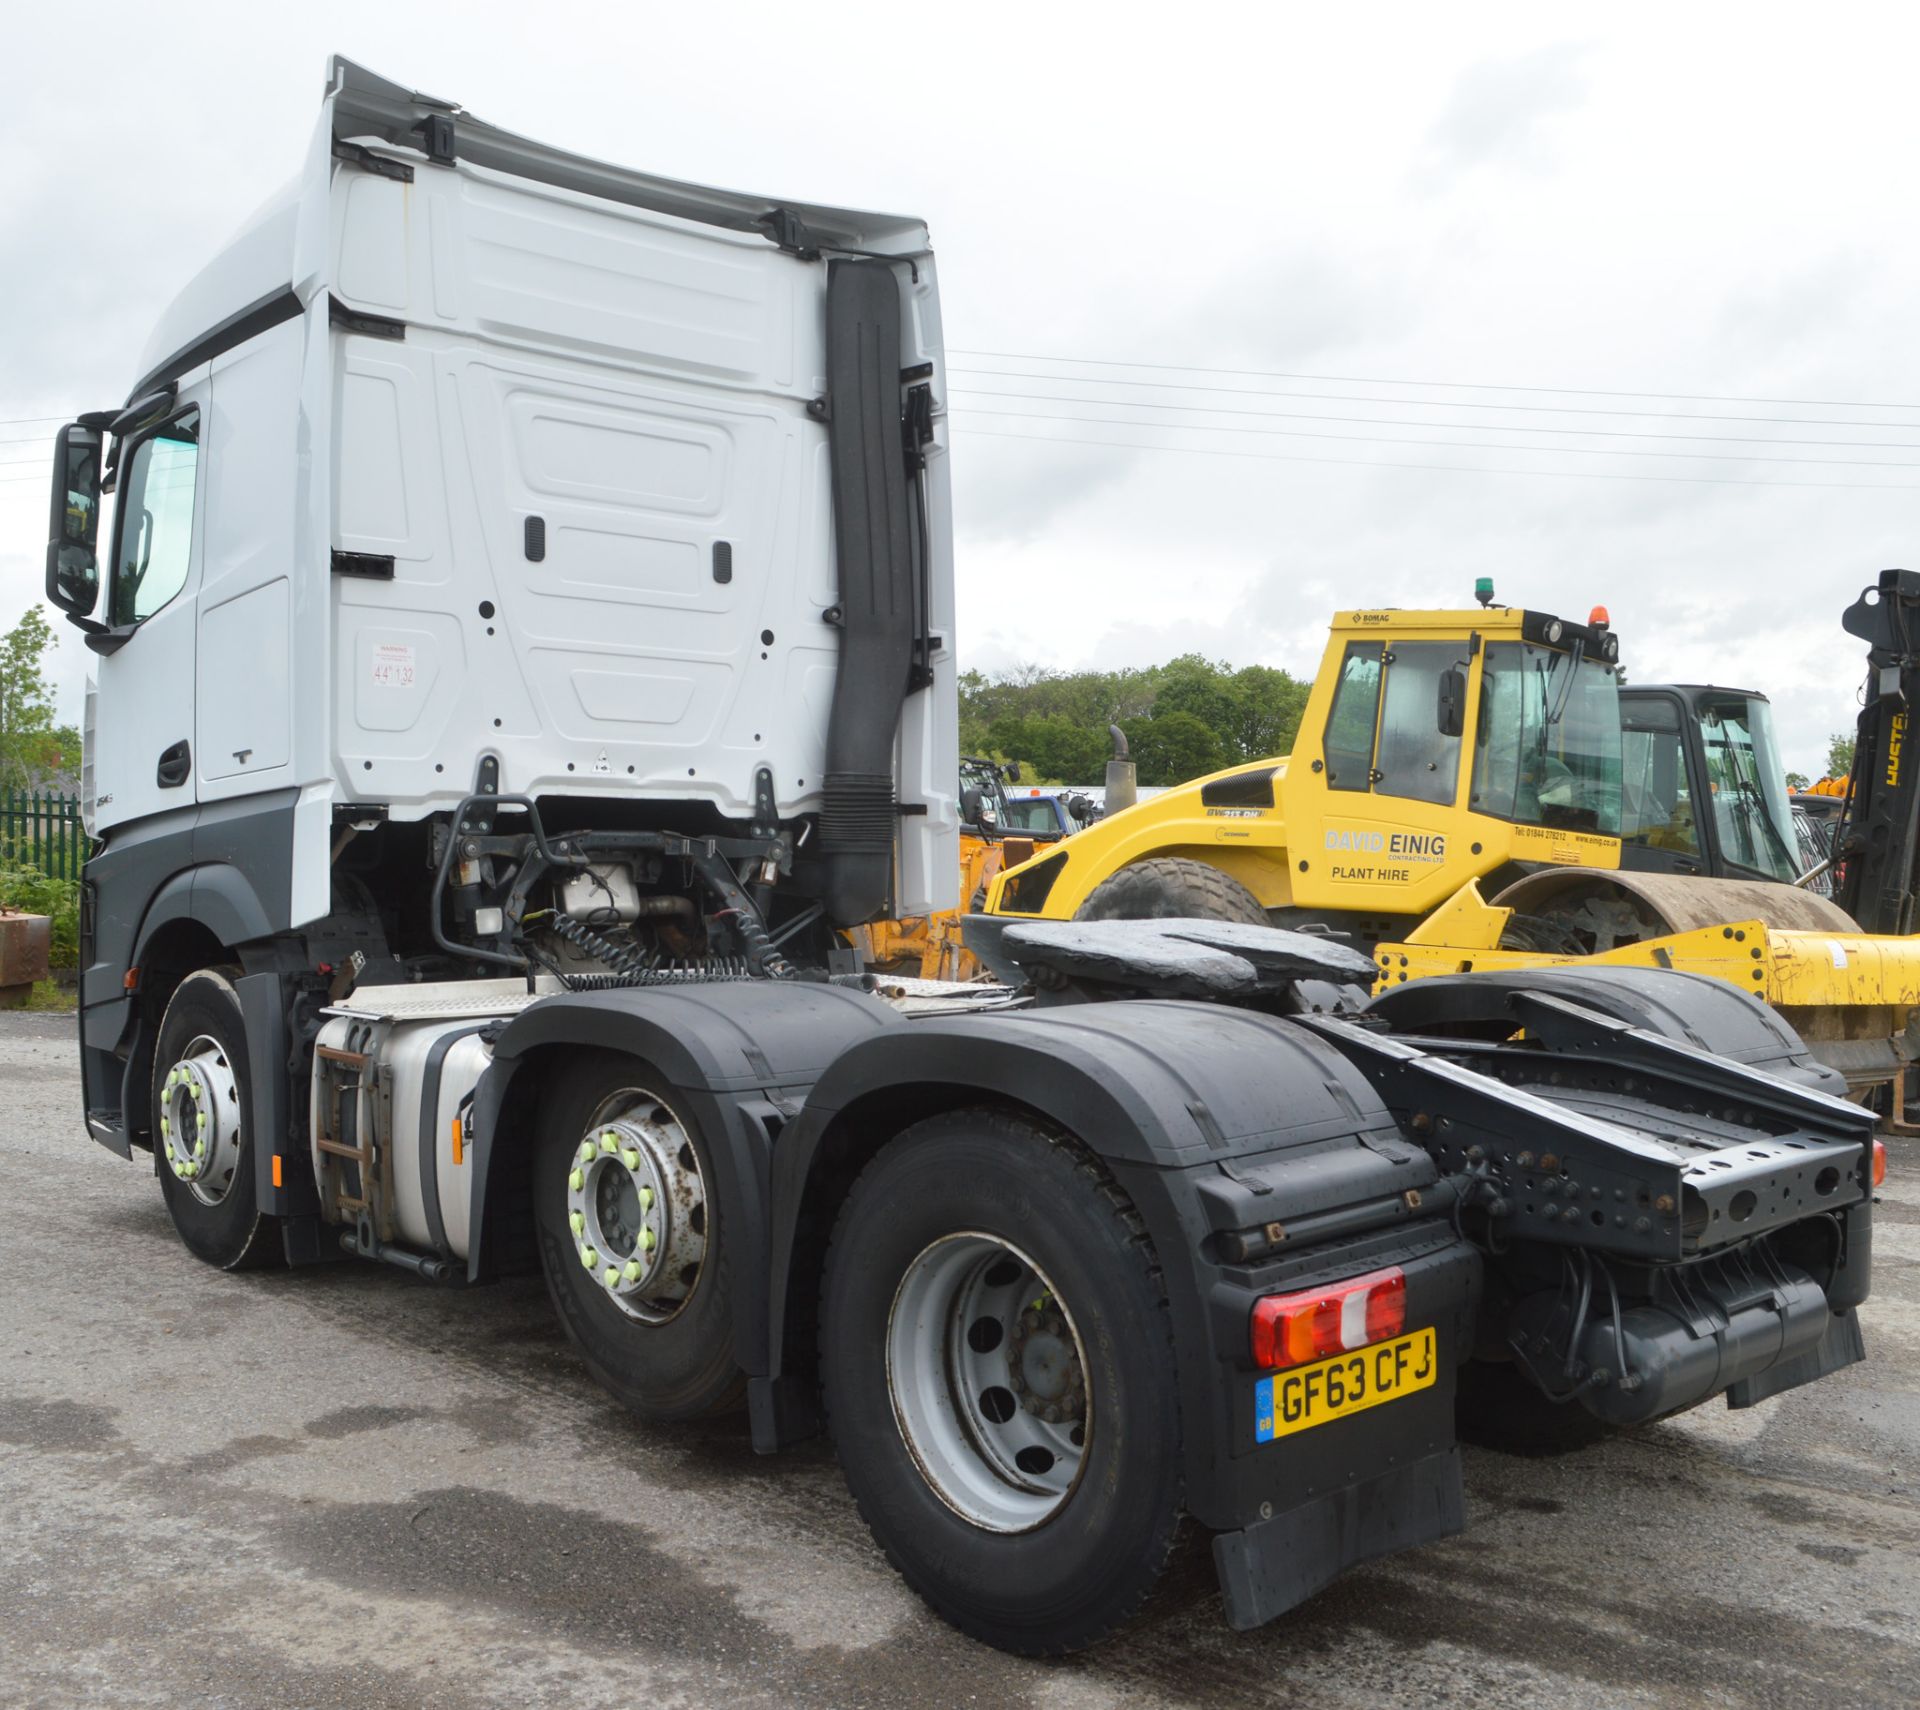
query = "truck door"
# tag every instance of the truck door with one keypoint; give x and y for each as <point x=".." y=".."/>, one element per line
<point x="144" y="761"/>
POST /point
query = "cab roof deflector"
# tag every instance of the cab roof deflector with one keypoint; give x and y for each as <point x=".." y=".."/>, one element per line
<point x="368" y="106"/>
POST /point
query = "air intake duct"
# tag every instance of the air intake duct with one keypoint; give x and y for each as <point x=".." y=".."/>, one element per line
<point x="873" y="544"/>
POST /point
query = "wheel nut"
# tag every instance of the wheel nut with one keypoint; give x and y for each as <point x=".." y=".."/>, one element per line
<point x="646" y="1195"/>
<point x="576" y="1181"/>
<point x="609" y="1143"/>
<point x="612" y="1276"/>
<point x="586" y="1151"/>
<point x="589" y="1258"/>
<point x="631" y="1159"/>
<point x="576" y="1222"/>
<point x="646" y="1240"/>
<point x="634" y="1271"/>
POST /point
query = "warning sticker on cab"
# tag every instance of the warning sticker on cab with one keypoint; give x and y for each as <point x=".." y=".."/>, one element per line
<point x="1348" y="1383"/>
<point x="393" y="664"/>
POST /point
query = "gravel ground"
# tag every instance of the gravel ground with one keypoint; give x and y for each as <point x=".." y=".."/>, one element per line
<point x="343" y="1487"/>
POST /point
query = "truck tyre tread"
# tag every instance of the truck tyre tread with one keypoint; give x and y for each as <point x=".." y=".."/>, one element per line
<point x="234" y="1235"/>
<point x="1128" y="1519"/>
<point x="1171" y="887"/>
<point x="685" y="1368"/>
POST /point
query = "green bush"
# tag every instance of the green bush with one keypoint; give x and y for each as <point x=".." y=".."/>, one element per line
<point x="30" y="889"/>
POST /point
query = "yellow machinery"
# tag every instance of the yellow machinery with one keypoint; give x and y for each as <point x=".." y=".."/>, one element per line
<point x="1448" y="756"/>
<point x="1385" y="809"/>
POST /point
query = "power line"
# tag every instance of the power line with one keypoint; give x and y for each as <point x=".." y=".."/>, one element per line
<point x="1448" y="444"/>
<point x="1450" y="427"/>
<point x="1447" y="468"/>
<point x="1453" y="385"/>
<point x="1415" y="403"/>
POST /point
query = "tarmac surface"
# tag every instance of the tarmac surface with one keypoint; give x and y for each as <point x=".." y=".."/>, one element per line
<point x="345" y="1487"/>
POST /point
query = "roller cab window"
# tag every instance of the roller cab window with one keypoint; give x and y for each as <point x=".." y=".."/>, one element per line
<point x="1351" y="722"/>
<point x="1547" y="745"/>
<point x="1751" y="814"/>
<point x="1389" y="730"/>
<point x="153" y="530"/>
<point x="1657" y="808"/>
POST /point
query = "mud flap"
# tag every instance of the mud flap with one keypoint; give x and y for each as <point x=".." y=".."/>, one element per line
<point x="1276" y="1565"/>
<point x="1842" y="1345"/>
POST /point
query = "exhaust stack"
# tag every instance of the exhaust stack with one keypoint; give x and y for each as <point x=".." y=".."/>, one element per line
<point x="1122" y="787"/>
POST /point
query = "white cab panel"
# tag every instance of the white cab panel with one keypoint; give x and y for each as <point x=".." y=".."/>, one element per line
<point x="633" y="387"/>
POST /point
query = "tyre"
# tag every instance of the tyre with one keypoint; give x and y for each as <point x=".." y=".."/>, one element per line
<point x="202" y="1130"/>
<point x="997" y="1364"/>
<point x="1497" y="1407"/>
<point x="1172" y="889"/>
<point x="630" y="1239"/>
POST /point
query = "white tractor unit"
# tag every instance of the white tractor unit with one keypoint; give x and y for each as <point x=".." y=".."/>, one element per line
<point x="524" y="652"/>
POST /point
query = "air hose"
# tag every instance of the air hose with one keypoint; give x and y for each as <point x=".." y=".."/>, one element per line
<point x="630" y="966"/>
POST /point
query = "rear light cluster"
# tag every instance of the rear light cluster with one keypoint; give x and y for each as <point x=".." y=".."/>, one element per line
<point x="1879" y="1163"/>
<point x="1295" y="1329"/>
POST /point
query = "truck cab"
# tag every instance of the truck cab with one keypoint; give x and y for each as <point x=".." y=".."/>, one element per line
<point x="474" y="474"/>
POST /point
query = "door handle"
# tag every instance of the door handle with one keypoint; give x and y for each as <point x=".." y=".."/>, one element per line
<point x="175" y="763"/>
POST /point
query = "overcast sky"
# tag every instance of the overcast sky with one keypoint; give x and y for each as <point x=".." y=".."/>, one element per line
<point x="1410" y="214"/>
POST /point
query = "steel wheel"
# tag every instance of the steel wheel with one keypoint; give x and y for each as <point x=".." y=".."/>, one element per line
<point x="988" y="1380"/>
<point x="201" y="1120"/>
<point x="637" y="1206"/>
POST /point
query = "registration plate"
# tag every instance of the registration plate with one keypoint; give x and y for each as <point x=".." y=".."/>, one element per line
<point x="1347" y="1383"/>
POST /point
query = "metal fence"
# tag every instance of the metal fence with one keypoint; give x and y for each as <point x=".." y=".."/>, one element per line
<point x="41" y="829"/>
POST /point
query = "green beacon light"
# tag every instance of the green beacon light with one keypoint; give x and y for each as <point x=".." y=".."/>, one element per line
<point x="1483" y="589"/>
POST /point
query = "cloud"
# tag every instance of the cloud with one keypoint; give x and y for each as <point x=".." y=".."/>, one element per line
<point x="1499" y="110"/>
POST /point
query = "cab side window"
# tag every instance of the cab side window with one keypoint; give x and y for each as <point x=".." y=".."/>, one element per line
<point x="1657" y="804"/>
<point x="153" y="534"/>
<point x="1415" y="760"/>
<point x="1350" y="724"/>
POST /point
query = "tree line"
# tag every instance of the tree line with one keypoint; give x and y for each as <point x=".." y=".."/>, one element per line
<point x="1183" y="719"/>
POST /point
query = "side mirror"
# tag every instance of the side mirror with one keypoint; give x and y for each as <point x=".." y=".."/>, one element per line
<point x="970" y="804"/>
<point x="1453" y="701"/>
<point x="73" y="559"/>
<point x="1013" y="771"/>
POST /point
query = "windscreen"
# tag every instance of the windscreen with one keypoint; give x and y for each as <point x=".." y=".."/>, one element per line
<point x="1750" y="807"/>
<point x="1547" y="746"/>
<point x="1031" y="813"/>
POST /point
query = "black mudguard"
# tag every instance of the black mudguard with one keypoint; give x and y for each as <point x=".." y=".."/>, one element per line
<point x="1697" y="1009"/>
<point x="743" y="1055"/>
<point x="1214" y="1121"/>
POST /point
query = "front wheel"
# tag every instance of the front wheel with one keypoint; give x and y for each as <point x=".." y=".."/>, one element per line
<point x="202" y="1126"/>
<point x="1172" y="888"/>
<point x="998" y="1370"/>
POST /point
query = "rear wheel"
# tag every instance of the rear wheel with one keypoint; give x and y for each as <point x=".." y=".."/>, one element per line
<point x="202" y="1125"/>
<point x="630" y="1239"/>
<point x="998" y="1372"/>
<point x="1172" y="888"/>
